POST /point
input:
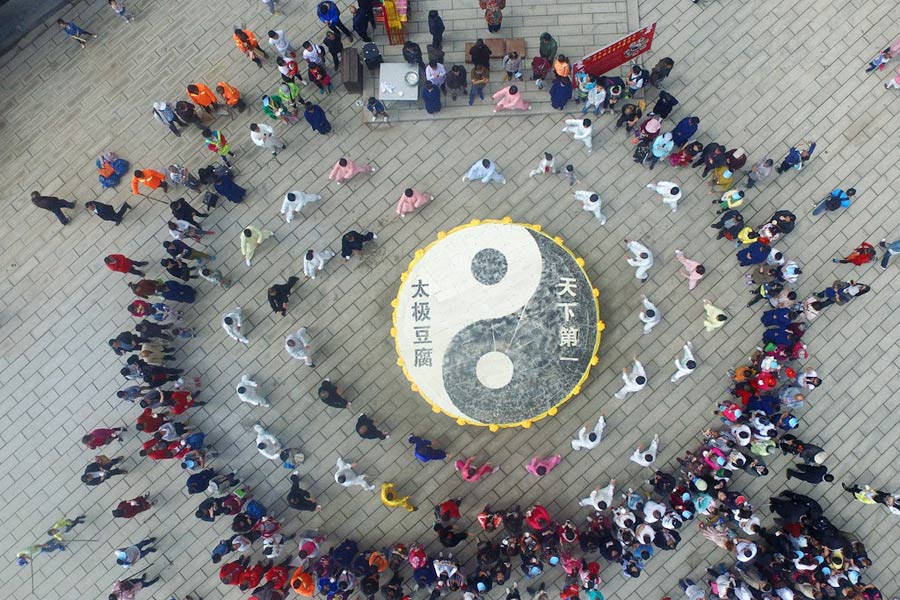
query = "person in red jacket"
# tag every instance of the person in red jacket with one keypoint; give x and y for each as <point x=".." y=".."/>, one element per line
<point x="149" y="421"/>
<point x="122" y="264"/>
<point x="231" y="573"/>
<point x="252" y="577"/>
<point x="152" y="179"/>
<point x="278" y="575"/>
<point x="129" y="508"/>
<point x="101" y="437"/>
<point x="863" y="254"/>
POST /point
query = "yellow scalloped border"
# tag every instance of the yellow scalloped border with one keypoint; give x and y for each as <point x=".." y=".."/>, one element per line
<point x="575" y="390"/>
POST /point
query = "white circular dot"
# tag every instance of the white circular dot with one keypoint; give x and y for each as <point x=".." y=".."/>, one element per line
<point x="494" y="370"/>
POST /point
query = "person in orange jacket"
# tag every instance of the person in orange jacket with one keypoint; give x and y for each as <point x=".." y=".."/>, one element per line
<point x="152" y="179"/>
<point x="231" y="96"/>
<point x="203" y="96"/>
<point x="247" y="44"/>
<point x="303" y="583"/>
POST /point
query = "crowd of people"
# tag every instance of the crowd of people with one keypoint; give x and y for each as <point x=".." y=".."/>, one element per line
<point x="803" y="554"/>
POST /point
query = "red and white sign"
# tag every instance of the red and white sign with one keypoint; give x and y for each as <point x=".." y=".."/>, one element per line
<point x="618" y="53"/>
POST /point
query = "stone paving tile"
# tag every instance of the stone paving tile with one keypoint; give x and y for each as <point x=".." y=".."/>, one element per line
<point x="760" y="75"/>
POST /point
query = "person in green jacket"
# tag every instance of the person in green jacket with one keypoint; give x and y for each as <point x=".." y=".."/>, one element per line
<point x="548" y="47"/>
<point x="275" y="108"/>
<point x="64" y="525"/>
<point x="291" y="98"/>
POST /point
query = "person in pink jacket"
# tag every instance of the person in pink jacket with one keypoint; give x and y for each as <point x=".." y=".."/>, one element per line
<point x="410" y="200"/>
<point x="893" y="84"/>
<point x="345" y="170"/>
<point x="541" y="466"/>
<point x="509" y="99"/>
<point x="470" y="472"/>
<point x="693" y="270"/>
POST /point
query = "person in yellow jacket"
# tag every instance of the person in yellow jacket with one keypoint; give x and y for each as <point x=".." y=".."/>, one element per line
<point x="251" y="238"/>
<point x="231" y="96"/>
<point x="152" y="179"/>
<point x="389" y="498"/>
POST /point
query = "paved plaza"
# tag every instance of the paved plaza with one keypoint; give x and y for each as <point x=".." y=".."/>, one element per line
<point x="763" y="74"/>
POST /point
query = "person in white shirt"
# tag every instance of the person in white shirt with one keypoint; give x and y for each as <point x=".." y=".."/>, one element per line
<point x="692" y="590"/>
<point x="545" y="167"/>
<point x="590" y="440"/>
<point x="297" y="345"/>
<point x="686" y="364"/>
<point x="436" y="74"/>
<point x="264" y="136"/>
<point x="273" y="545"/>
<point x="642" y="260"/>
<point x="247" y="392"/>
<point x="314" y="54"/>
<point x="634" y="382"/>
<point x="313" y="261"/>
<point x="646" y="457"/>
<point x="600" y="498"/>
<point x="348" y="478"/>
<point x="267" y="444"/>
<point x="591" y="202"/>
<point x="486" y="171"/>
<point x="653" y="511"/>
<point x="232" y="323"/>
<point x="669" y="191"/>
<point x="745" y="550"/>
<point x="581" y="130"/>
<point x="650" y="316"/>
<point x="280" y="43"/>
<point x="293" y="203"/>
<point x="750" y="525"/>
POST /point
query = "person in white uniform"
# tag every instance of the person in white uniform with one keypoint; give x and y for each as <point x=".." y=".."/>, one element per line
<point x="247" y="391"/>
<point x="232" y="322"/>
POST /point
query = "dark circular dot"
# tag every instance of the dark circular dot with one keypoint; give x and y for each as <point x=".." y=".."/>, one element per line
<point x="489" y="266"/>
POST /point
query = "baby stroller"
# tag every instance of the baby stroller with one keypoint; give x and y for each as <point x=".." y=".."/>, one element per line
<point x="540" y="66"/>
<point x="111" y="169"/>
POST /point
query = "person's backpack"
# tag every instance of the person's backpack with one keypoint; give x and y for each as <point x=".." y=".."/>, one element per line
<point x="540" y="66"/>
<point x="255" y="510"/>
<point x="210" y="200"/>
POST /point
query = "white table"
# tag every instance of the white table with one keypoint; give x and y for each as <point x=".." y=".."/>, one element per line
<point x="395" y="75"/>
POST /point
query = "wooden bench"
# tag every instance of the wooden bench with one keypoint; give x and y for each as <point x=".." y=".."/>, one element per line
<point x="499" y="48"/>
<point x="351" y="71"/>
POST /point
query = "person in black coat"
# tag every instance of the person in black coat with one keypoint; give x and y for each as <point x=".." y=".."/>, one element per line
<point x="712" y="157"/>
<point x="436" y="28"/>
<point x="412" y="53"/>
<point x="664" y="104"/>
<point x="53" y="204"/>
<point x="481" y="54"/>
<point x="810" y="473"/>
<point x="177" y="269"/>
<point x="330" y="394"/>
<point x="352" y="243"/>
<point x="107" y="212"/>
<point x="279" y="295"/>
<point x="360" y="22"/>
<point x="367" y="430"/>
<point x="184" y="211"/>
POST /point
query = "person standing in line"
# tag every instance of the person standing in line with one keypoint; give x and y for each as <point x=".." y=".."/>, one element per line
<point x="174" y="291"/>
<point x="122" y="264"/>
<point x="437" y="75"/>
<point x="178" y="269"/>
<point x="251" y="238"/>
<point x="367" y="430"/>
<point x="797" y="156"/>
<point x="539" y="467"/>
<point x="590" y="202"/>
<point x="642" y="260"/>
<point x="715" y="317"/>
<point x="345" y="476"/>
<point x="424" y="451"/>
<point x="217" y="143"/>
<point x="469" y="472"/>
<point x="589" y="440"/>
<point x="509" y="98"/>
<point x="481" y="76"/>
<point x="316" y="118"/>
<point x="486" y="171"/>
<point x="294" y="202"/>
<point x="411" y="200"/>
<point x="264" y="136"/>
<point x="232" y="322"/>
<point x="52" y="204"/>
<point x="126" y="557"/>
<point x="298" y="346"/>
<point x="247" y="391"/>
<point x="165" y="114"/>
<point x="107" y="212"/>
<point x="314" y="262"/>
<point x="352" y="243"/>
<point x="760" y="171"/>
<point x="634" y="382"/>
<point x="691" y="269"/>
<point x="345" y="169"/>
<point x="645" y="458"/>
<point x="75" y="32"/>
<point x="335" y="47"/>
<point x="650" y="316"/>
<point x="390" y="499"/>
<point x="126" y="509"/>
<point x="300" y="499"/>
<point x="436" y="28"/>
<point x="431" y="96"/>
<point x="560" y="93"/>
<point x="685" y="365"/>
<point x="480" y="54"/>
<point x="669" y="191"/>
<point x="280" y="294"/>
<point x="685" y="130"/>
<point x="581" y="130"/>
<point x="661" y="148"/>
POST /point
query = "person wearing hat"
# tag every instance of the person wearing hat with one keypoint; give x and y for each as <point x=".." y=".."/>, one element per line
<point x="165" y="114"/>
<point x="126" y="557"/>
<point x="648" y="131"/>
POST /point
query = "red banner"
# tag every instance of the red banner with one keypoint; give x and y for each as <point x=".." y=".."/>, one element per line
<point x="618" y="53"/>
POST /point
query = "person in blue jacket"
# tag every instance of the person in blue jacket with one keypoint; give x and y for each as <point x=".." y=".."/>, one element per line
<point x="424" y="451"/>
<point x="797" y="157"/>
<point x="837" y="199"/>
<point x="330" y="15"/>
